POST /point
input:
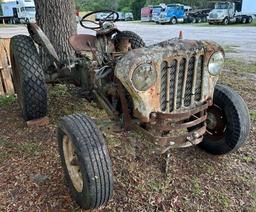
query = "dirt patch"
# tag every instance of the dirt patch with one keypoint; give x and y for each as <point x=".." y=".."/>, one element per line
<point x="31" y="177"/>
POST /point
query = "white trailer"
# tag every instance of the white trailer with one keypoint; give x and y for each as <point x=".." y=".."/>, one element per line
<point x="18" y="11"/>
<point x="248" y="7"/>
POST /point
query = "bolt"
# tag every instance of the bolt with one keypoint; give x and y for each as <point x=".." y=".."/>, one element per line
<point x="171" y="143"/>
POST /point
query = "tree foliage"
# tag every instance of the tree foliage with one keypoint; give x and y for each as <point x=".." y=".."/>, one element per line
<point x="135" y="5"/>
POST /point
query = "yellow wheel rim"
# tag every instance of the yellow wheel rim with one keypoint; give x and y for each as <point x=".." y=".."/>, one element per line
<point x="72" y="164"/>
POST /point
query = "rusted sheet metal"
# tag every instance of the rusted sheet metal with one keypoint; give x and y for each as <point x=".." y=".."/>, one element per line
<point x="83" y="42"/>
<point x="165" y="143"/>
<point x="180" y="116"/>
<point x="175" y="126"/>
<point x="42" y="40"/>
<point x="146" y="102"/>
<point x="177" y="135"/>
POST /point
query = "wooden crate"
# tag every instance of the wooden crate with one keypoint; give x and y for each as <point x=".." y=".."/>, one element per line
<point x="6" y="86"/>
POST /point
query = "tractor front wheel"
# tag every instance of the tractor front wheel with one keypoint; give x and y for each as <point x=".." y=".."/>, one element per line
<point x="85" y="160"/>
<point x="228" y="123"/>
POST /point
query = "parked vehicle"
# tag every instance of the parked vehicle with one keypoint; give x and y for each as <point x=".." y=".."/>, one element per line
<point x="18" y="11"/>
<point x="167" y="92"/>
<point x="129" y="16"/>
<point x="197" y="16"/>
<point x="121" y="16"/>
<point x="106" y="16"/>
<point x="146" y="14"/>
<point x="156" y="10"/>
<point x="225" y="13"/>
<point x="172" y="14"/>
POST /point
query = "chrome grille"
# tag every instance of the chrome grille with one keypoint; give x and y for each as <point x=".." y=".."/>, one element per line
<point x="181" y="83"/>
<point x="213" y="15"/>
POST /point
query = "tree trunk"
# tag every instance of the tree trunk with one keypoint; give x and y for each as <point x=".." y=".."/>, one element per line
<point x="57" y="19"/>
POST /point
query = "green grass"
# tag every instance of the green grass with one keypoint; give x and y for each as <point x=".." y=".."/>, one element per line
<point x="6" y="144"/>
<point x="224" y="200"/>
<point x="253" y="115"/>
<point x="253" y="195"/>
<point x="239" y="66"/>
<point x="197" y="188"/>
<point x="230" y="48"/>
<point x="31" y="148"/>
<point x="6" y="101"/>
<point x="4" y="155"/>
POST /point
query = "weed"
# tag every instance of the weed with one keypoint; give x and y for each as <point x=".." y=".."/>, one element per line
<point x="253" y="195"/>
<point x="247" y="159"/>
<point x="6" y="144"/>
<point x="223" y="200"/>
<point x="253" y="115"/>
<point x="30" y="148"/>
<point x="197" y="189"/>
<point x="6" y="101"/>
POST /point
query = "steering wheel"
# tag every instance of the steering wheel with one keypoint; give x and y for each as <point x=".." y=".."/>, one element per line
<point x="100" y="22"/>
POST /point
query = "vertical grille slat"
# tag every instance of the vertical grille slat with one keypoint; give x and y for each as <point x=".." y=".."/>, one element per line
<point x="199" y="79"/>
<point x="163" y="94"/>
<point x="181" y="82"/>
<point x="172" y="69"/>
<point x="189" y="83"/>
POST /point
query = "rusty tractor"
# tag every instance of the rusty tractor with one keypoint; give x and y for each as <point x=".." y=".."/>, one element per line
<point x="167" y="92"/>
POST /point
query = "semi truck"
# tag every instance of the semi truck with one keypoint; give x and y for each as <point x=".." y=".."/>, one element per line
<point x="17" y="11"/>
<point x="229" y="12"/>
<point x="156" y="11"/>
<point x="172" y="14"/>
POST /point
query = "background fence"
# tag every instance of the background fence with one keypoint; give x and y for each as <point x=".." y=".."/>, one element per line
<point x="6" y="86"/>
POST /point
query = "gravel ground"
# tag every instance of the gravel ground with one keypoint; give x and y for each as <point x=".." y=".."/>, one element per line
<point x="241" y="39"/>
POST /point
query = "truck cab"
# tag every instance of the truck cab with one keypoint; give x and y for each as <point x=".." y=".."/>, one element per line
<point x="173" y="13"/>
<point x="224" y="12"/>
<point x="26" y="10"/>
<point x="156" y="11"/>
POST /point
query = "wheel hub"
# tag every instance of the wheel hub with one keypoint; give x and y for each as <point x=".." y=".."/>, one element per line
<point x="72" y="164"/>
<point x="216" y="121"/>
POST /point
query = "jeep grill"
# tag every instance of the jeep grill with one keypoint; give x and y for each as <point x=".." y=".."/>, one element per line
<point x="181" y="83"/>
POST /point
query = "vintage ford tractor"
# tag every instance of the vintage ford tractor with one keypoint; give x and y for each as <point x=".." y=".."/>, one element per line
<point x="167" y="92"/>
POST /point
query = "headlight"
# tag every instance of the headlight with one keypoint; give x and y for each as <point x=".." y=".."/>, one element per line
<point x="216" y="63"/>
<point x="143" y="77"/>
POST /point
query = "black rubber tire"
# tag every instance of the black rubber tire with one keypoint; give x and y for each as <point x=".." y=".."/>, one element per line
<point x="93" y="158"/>
<point x="173" y="21"/>
<point x="249" y="20"/>
<point x="198" y="20"/>
<point x="135" y="40"/>
<point x="28" y="77"/>
<point x="237" y="122"/>
<point x="225" y="21"/>
<point x="243" y="20"/>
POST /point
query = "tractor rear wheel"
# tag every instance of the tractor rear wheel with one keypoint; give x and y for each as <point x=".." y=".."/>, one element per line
<point x="28" y="77"/>
<point x="135" y="40"/>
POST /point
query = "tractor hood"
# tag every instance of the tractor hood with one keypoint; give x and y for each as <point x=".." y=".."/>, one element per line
<point x="168" y="77"/>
